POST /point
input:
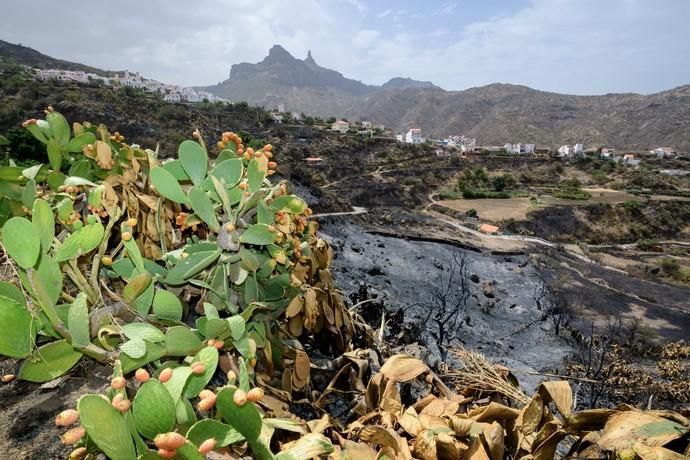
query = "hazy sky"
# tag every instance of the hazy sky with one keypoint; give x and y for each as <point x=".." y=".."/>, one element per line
<point x="569" y="46"/>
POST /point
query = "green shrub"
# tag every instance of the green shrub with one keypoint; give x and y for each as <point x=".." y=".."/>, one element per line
<point x="671" y="267"/>
<point x="470" y="194"/>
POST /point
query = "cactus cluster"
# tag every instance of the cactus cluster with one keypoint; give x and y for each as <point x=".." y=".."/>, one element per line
<point x="160" y="422"/>
<point x="133" y="260"/>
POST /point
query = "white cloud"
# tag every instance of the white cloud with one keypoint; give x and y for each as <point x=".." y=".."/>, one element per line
<point x="361" y="7"/>
<point x="578" y="46"/>
<point x="446" y="8"/>
<point x="365" y="38"/>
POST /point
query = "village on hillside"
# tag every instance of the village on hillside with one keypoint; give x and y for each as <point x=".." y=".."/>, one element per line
<point x="170" y="93"/>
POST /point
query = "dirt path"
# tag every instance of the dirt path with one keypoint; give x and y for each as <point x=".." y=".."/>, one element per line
<point x="355" y="211"/>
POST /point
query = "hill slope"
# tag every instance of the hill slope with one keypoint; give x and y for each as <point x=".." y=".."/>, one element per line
<point x="29" y="56"/>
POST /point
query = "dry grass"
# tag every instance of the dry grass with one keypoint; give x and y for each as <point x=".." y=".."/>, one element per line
<point x="478" y="373"/>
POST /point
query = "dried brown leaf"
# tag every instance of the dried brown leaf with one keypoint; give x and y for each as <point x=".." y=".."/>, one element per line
<point x="560" y="393"/>
<point x="403" y="368"/>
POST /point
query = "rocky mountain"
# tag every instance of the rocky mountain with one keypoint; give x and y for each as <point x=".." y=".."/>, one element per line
<point x="494" y="114"/>
<point x="407" y="83"/>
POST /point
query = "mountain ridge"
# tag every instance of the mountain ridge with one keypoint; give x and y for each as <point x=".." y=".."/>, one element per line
<point x="494" y="114"/>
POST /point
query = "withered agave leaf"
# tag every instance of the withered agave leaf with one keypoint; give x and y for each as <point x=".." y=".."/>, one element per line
<point x="494" y="412"/>
<point x="357" y="451"/>
<point x="442" y="407"/>
<point x="425" y="446"/>
<point x="627" y="427"/>
<point x="493" y="435"/>
<point x="447" y="448"/>
<point x="408" y="421"/>
<point x="477" y="451"/>
<point x="465" y="427"/>
<point x="588" y="420"/>
<point x="386" y="437"/>
<point x="311" y="445"/>
<point x="656" y="453"/>
<point x="531" y="416"/>
<point x="403" y="368"/>
<point x="560" y="393"/>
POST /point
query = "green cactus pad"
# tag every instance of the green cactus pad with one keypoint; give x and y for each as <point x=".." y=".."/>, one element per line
<point x="194" y="160"/>
<point x="80" y="242"/>
<point x="21" y="241"/>
<point x="167" y="186"/>
<point x="106" y="427"/>
<point x="209" y="357"/>
<point x="49" y="362"/>
<point x="166" y="305"/>
<point x="181" y="341"/>
<point x="18" y="329"/>
<point x="258" y="234"/>
<point x="208" y="428"/>
<point x="153" y="409"/>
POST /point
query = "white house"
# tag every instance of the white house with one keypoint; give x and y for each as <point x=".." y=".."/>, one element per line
<point x="630" y="160"/>
<point x="341" y="126"/>
<point x="465" y="144"/>
<point x="131" y="80"/>
<point x="281" y="108"/>
<point x="663" y="152"/>
<point x="606" y="155"/>
<point x="565" y="151"/>
<point x="414" y="136"/>
<point x="172" y="97"/>
<point x="400" y="138"/>
<point x="366" y="124"/>
<point x="527" y="149"/>
<point x="578" y="150"/>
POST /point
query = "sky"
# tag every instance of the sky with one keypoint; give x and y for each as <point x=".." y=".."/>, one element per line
<point x="565" y="46"/>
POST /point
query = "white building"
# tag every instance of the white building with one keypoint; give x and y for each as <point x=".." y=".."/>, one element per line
<point x="281" y="108"/>
<point x="366" y="124"/>
<point x="62" y="75"/>
<point x="607" y="153"/>
<point x="341" y="126"/>
<point x="578" y="150"/>
<point x="414" y="136"/>
<point x="630" y="160"/>
<point x="465" y="144"/>
<point x="663" y="152"/>
<point x="172" y="97"/>
<point x="518" y="149"/>
<point x="400" y="138"/>
<point x="131" y="80"/>
<point x="565" y="151"/>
